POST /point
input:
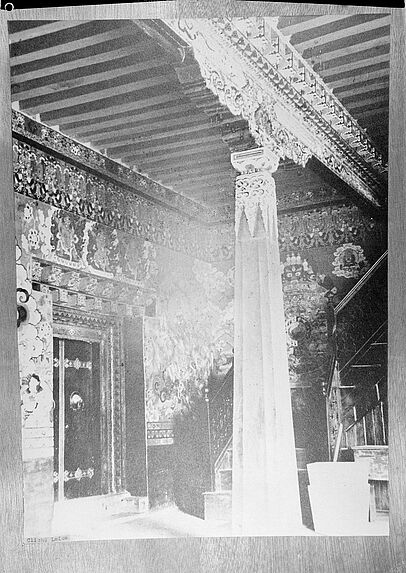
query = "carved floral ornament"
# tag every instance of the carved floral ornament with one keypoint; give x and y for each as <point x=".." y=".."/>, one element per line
<point x="255" y="187"/>
<point x="248" y="80"/>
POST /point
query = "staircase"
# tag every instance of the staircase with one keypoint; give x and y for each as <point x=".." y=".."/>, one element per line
<point x="357" y="388"/>
<point x="356" y="391"/>
<point x="220" y="413"/>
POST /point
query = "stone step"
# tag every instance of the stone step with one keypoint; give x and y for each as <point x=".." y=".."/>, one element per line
<point x="217" y="505"/>
<point x="224" y="481"/>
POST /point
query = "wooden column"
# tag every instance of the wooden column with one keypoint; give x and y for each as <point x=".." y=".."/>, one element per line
<point x="265" y="493"/>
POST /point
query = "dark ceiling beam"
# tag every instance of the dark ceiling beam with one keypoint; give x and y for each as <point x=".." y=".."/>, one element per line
<point x="219" y="195"/>
<point x="354" y="65"/>
<point x="44" y="29"/>
<point x="310" y="24"/>
<point x="217" y="170"/>
<point x="359" y="29"/>
<point x="142" y="151"/>
<point x="98" y="126"/>
<point x="326" y="56"/>
<point x="109" y="109"/>
<point x="198" y="158"/>
<point x="361" y="76"/>
<point x="166" y="39"/>
<point x="379" y="100"/>
<point x="58" y="49"/>
<point x="204" y="177"/>
<point x="375" y="112"/>
<point x="132" y="135"/>
<point x="156" y="158"/>
<point x="351" y="99"/>
<point x="66" y="100"/>
<point x="77" y="63"/>
<point x="365" y="89"/>
<point x="62" y="84"/>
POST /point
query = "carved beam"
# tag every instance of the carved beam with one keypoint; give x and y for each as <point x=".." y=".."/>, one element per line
<point x="260" y="76"/>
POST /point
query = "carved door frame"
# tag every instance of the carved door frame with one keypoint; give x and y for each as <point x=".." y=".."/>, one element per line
<point x="105" y="330"/>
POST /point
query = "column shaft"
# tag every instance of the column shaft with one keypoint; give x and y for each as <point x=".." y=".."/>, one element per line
<point x="265" y="486"/>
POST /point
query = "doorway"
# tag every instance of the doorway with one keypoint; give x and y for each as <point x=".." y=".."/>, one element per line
<point x="77" y="419"/>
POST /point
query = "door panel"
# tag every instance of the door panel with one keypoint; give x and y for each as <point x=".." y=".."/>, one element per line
<point x="81" y="412"/>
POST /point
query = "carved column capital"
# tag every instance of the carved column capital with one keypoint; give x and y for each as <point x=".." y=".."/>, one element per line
<point x="255" y="187"/>
<point x="258" y="159"/>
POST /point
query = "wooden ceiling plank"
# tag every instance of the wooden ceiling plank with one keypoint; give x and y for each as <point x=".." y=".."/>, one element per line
<point x="62" y="85"/>
<point x="97" y="95"/>
<point x="339" y="85"/>
<point x="359" y="29"/>
<point x="101" y="129"/>
<point x="44" y="29"/>
<point x="142" y="150"/>
<point x="355" y="65"/>
<point x="311" y="24"/>
<point x="195" y="157"/>
<point x="53" y="51"/>
<point x="368" y="72"/>
<point x="110" y="109"/>
<point x="99" y="58"/>
<point x="155" y="158"/>
<point x="380" y="99"/>
<point x="349" y="50"/>
<point x="351" y="91"/>
<point x="203" y="181"/>
<point x="185" y="172"/>
<point x="210" y="172"/>
<point x="376" y="112"/>
<point x="191" y="125"/>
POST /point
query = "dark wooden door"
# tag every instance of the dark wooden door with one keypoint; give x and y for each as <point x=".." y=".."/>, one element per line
<point x="77" y="418"/>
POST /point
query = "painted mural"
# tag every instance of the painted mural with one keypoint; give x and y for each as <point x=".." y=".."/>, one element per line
<point x="350" y="261"/>
<point x="306" y="322"/>
<point x="35" y="358"/>
<point x="193" y="335"/>
<point x="53" y="235"/>
<point x="76" y="193"/>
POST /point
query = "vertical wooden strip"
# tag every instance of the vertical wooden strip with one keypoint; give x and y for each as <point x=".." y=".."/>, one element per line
<point x="397" y="298"/>
<point x="10" y="420"/>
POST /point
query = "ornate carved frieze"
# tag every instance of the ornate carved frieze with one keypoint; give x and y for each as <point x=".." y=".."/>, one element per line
<point x="88" y="209"/>
<point x="106" y="168"/>
<point x="242" y="69"/>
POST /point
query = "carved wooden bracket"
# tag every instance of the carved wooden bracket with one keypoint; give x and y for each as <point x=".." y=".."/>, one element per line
<point x="259" y="75"/>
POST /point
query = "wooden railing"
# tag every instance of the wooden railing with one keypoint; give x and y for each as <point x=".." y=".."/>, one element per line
<point x="220" y="418"/>
<point x="357" y="329"/>
<point x="334" y="314"/>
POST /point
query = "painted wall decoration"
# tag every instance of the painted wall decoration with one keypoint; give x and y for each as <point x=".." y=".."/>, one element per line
<point x="350" y="261"/>
<point x="193" y="335"/>
<point x="55" y="141"/>
<point x="326" y="227"/>
<point x="78" y="192"/>
<point x="53" y="235"/>
<point x="35" y="363"/>
<point x="306" y="323"/>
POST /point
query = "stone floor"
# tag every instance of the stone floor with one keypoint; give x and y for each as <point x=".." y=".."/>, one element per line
<point x="84" y="519"/>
